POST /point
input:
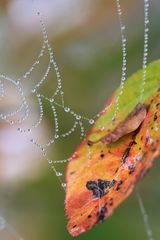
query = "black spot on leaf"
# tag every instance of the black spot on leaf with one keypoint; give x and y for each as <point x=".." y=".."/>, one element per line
<point x="101" y="214"/>
<point x="98" y="188"/>
<point x="119" y="185"/>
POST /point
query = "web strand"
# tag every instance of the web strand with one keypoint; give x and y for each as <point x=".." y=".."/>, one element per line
<point x="124" y="60"/>
<point x="24" y="105"/>
<point x="145" y="217"/>
<point x="145" y="52"/>
<point x="5" y="226"/>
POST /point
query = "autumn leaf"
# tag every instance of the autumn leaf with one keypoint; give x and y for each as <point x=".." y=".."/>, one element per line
<point x="115" y="155"/>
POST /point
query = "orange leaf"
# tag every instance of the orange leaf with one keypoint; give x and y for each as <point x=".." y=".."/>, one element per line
<point x="106" y="166"/>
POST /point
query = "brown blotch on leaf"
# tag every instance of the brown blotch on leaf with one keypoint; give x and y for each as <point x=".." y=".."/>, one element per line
<point x="126" y="152"/>
<point x="102" y="155"/>
<point x="155" y="116"/>
<point x="130" y="124"/>
<point x="111" y="202"/>
<point x="158" y="105"/>
<point x="89" y="143"/>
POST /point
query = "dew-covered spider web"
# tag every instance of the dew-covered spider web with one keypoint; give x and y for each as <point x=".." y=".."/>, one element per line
<point x="143" y="211"/>
<point x="56" y="103"/>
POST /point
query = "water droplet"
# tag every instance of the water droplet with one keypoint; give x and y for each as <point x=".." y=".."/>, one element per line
<point x="17" y="82"/>
<point x="91" y="121"/>
<point x="58" y="174"/>
<point x="66" y="109"/>
<point x="63" y="185"/>
<point x="50" y="161"/>
<point x="56" y="136"/>
<point x="78" y="117"/>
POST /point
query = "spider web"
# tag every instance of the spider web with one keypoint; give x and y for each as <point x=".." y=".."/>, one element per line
<point x="56" y="100"/>
<point x="143" y="211"/>
<point x="22" y="112"/>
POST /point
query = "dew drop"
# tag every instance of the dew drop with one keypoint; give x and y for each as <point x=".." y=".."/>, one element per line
<point x="58" y="174"/>
<point x="56" y="136"/>
<point x="78" y="117"/>
<point x="91" y="121"/>
<point x="50" y="161"/>
<point x="63" y="185"/>
<point x="66" y="109"/>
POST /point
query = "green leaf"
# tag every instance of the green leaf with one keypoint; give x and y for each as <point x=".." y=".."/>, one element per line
<point x="128" y="100"/>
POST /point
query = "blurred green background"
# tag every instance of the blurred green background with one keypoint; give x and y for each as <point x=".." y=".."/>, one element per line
<point x="85" y="37"/>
